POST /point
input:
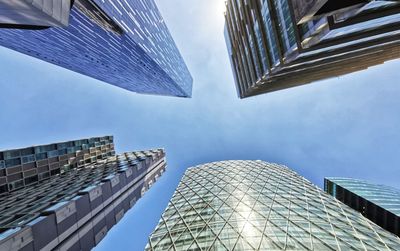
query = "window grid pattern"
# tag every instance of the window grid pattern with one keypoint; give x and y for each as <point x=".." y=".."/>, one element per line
<point x="254" y="205"/>
<point x="19" y="207"/>
<point x="77" y="208"/>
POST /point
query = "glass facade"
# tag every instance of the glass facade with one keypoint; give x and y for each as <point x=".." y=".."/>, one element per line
<point x="285" y="23"/>
<point x="378" y="203"/>
<point x="75" y="208"/>
<point x="260" y="43"/>
<point x="23" y="167"/>
<point x="255" y="205"/>
<point x="125" y="43"/>
<point x="270" y="39"/>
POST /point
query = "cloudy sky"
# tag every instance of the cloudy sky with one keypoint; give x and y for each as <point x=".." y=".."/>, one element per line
<point x="346" y="126"/>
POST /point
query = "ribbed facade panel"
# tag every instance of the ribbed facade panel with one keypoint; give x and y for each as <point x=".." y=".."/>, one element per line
<point x="272" y="48"/>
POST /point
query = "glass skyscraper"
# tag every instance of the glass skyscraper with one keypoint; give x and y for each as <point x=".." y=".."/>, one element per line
<point x="255" y="205"/>
<point x="68" y="195"/>
<point x="124" y="43"/>
<point x="278" y="44"/>
<point x="379" y="203"/>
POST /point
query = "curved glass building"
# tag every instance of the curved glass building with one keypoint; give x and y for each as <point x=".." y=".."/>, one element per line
<point x="255" y="205"/>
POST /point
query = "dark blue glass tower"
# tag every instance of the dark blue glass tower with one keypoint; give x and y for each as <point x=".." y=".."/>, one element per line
<point x="125" y="43"/>
<point x="379" y="203"/>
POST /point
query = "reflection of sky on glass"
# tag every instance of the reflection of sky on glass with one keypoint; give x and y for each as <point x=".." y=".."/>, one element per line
<point x="346" y="126"/>
<point x="384" y="196"/>
<point x="372" y="24"/>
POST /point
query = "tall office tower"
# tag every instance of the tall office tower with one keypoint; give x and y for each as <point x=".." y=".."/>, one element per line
<point x="278" y="44"/>
<point x="67" y="196"/>
<point x="254" y="205"/>
<point x="124" y="43"/>
<point x="380" y="204"/>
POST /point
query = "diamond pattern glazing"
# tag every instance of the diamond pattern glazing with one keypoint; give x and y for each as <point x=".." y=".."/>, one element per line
<point x="254" y="205"/>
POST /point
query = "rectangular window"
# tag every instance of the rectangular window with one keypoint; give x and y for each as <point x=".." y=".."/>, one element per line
<point x="286" y="29"/>
<point x="28" y="151"/>
<point x="28" y="159"/>
<point x="31" y="180"/>
<point x="52" y="154"/>
<point x="70" y="150"/>
<point x="3" y="189"/>
<point x="41" y="156"/>
<point x="65" y="145"/>
<point x="13" y="162"/>
<point x="12" y="154"/>
<point x="62" y="152"/>
<point x="271" y="39"/>
<point x="43" y="176"/>
<point x="15" y="185"/>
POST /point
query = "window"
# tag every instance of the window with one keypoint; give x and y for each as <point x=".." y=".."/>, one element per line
<point x="3" y="189"/>
<point x="42" y="149"/>
<point x="143" y="191"/>
<point x="52" y="154"/>
<point x="43" y="176"/>
<point x="81" y="142"/>
<point x="31" y="180"/>
<point x="15" y="185"/>
<point x="70" y="150"/>
<point x="139" y="166"/>
<point x="11" y="154"/>
<point x="28" y="151"/>
<point x="28" y="159"/>
<point x="13" y="162"/>
<point x="55" y="172"/>
<point x="62" y="151"/>
<point x="41" y="156"/>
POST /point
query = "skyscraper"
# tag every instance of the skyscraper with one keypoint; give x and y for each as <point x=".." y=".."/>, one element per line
<point x="278" y="44"/>
<point x="67" y="196"/>
<point x="254" y="205"/>
<point x="380" y="204"/>
<point x="124" y="43"/>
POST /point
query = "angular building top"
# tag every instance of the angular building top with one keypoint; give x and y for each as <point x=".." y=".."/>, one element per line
<point x="28" y="13"/>
<point x="278" y="44"/>
<point x="67" y="196"/>
<point x="254" y="205"/>
<point x="380" y="204"/>
<point x="125" y="43"/>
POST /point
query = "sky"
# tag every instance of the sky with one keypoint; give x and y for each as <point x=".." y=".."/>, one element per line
<point x="344" y="126"/>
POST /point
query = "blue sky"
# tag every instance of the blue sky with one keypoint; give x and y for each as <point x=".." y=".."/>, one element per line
<point x="345" y="126"/>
